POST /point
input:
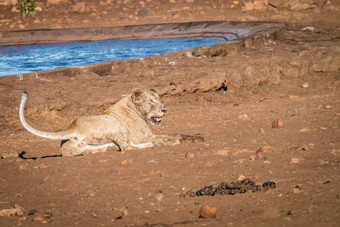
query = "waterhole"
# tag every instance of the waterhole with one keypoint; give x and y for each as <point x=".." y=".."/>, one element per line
<point x="18" y="59"/>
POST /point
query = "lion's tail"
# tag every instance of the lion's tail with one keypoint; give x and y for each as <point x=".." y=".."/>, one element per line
<point x="62" y="135"/>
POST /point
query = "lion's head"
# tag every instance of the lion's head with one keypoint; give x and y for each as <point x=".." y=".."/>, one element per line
<point x="148" y="105"/>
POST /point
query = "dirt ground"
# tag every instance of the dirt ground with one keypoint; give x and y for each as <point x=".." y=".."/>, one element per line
<point x="231" y="98"/>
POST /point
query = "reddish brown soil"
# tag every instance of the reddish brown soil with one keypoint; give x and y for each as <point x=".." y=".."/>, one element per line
<point x="265" y="81"/>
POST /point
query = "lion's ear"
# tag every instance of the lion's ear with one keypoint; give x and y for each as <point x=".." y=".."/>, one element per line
<point x="137" y="94"/>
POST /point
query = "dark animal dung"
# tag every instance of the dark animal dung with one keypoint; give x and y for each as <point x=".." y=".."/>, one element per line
<point x="243" y="186"/>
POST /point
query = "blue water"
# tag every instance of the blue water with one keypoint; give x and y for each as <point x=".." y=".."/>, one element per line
<point x="36" y="57"/>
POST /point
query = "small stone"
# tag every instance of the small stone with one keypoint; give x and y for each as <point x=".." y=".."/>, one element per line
<point x="266" y="149"/>
<point x="9" y="154"/>
<point x="79" y="7"/>
<point x="278" y="123"/>
<point x="297" y="190"/>
<point x="159" y="196"/>
<point x="39" y="217"/>
<point x="328" y="107"/>
<point x="126" y="162"/>
<point x="189" y="155"/>
<point x="244" y="117"/>
<point x="207" y="212"/>
<point x="323" y="162"/>
<point x="236" y="3"/>
<point x="305" y="85"/>
<point x="17" y="210"/>
<point x="305" y="130"/>
<point x="154" y="172"/>
<point x="295" y="161"/>
<point x="241" y="177"/>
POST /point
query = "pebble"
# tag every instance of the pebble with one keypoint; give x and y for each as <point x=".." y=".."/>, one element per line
<point x="266" y="149"/>
<point x="278" y="123"/>
<point x="207" y="212"/>
<point x="189" y="155"/>
<point x="305" y="85"/>
<point x="79" y="7"/>
<point x="9" y="154"/>
<point x="295" y="161"/>
<point x="305" y="130"/>
<point x="244" y="117"/>
<point x="159" y="196"/>
<point x="328" y="107"/>
<point x="126" y="162"/>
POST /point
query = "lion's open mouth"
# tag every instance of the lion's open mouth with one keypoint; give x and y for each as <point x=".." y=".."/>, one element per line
<point x="156" y="120"/>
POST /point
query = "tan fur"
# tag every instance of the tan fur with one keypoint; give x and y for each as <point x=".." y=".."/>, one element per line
<point x="124" y="124"/>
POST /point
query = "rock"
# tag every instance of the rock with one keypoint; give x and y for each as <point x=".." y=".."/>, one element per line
<point x="9" y="154"/>
<point x="159" y="196"/>
<point x="305" y="85"/>
<point x="266" y="149"/>
<point x="244" y="117"/>
<point x="276" y="3"/>
<point x="228" y="152"/>
<point x="17" y="210"/>
<point x="207" y="212"/>
<point x="297" y="190"/>
<point x="126" y="162"/>
<point x="277" y="123"/>
<point x="328" y="107"/>
<point x="79" y="7"/>
<point x="295" y="161"/>
<point x="323" y="162"/>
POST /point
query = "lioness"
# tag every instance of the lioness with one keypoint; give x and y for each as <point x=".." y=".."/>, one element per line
<point x="123" y="125"/>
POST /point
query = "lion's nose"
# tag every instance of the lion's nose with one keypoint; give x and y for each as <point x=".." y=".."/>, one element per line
<point x="164" y="109"/>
